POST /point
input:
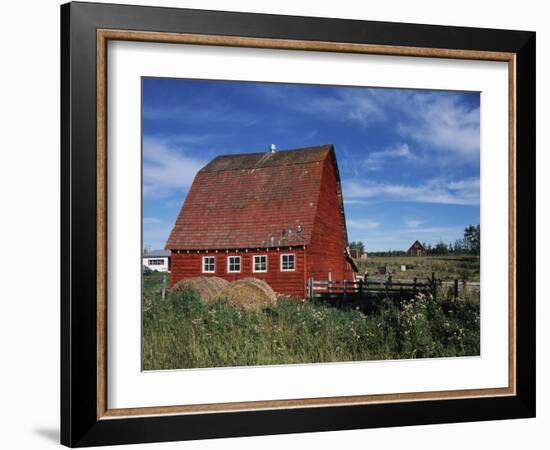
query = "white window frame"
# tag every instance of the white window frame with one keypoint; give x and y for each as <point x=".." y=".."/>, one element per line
<point x="229" y="264"/>
<point x="204" y="267"/>
<point x="294" y="261"/>
<point x="254" y="263"/>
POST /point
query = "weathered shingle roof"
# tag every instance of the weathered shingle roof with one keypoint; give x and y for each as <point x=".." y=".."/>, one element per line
<point x="268" y="159"/>
<point x="252" y="200"/>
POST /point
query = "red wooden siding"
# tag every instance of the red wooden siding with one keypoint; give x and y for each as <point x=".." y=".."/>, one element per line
<point x="187" y="265"/>
<point x="325" y="254"/>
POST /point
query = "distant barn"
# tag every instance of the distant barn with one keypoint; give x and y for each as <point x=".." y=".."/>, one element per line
<point x="276" y="215"/>
<point x="358" y="254"/>
<point x="417" y="249"/>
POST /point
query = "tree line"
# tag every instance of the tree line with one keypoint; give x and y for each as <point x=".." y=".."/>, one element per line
<point x="468" y="245"/>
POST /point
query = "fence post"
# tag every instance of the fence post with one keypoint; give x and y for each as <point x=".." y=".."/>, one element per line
<point x="345" y="285"/>
<point x="456" y="288"/>
<point x="310" y="288"/>
<point x="361" y="288"/>
<point x="163" y="286"/>
<point x="434" y="286"/>
<point x="414" y="285"/>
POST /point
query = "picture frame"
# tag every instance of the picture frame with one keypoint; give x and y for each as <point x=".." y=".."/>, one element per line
<point x="86" y="418"/>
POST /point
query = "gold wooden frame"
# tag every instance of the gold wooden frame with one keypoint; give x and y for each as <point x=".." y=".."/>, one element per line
<point x="103" y="36"/>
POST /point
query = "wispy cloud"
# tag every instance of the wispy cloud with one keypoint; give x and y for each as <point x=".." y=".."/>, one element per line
<point x="355" y="105"/>
<point x="355" y="202"/>
<point x="155" y="232"/>
<point x="443" y="123"/>
<point x="462" y="192"/>
<point x="375" y="160"/>
<point x="362" y="224"/>
<point x="167" y="168"/>
<point x="151" y="220"/>
<point x="440" y="121"/>
<point x="414" y="223"/>
<point x="401" y="239"/>
<point x="192" y="113"/>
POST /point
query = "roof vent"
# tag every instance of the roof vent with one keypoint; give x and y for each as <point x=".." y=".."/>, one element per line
<point x="272" y="148"/>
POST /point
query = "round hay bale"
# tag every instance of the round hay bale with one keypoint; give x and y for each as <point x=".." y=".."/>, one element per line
<point x="250" y="294"/>
<point x="207" y="288"/>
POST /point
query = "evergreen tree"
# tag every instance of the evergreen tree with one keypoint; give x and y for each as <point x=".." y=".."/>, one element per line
<point x="472" y="238"/>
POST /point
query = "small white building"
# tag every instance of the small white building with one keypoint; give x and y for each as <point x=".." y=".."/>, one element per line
<point x="157" y="260"/>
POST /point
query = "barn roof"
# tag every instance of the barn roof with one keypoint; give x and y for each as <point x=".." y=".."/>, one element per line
<point x="415" y="243"/>
<point x="253" y="200"/>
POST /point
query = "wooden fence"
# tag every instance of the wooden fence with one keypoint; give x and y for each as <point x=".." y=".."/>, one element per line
<point x="369" y="288"/>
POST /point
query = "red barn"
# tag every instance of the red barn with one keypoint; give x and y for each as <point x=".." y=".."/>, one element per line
<point x="277" y="216"/>
<point x="417" y="249"/>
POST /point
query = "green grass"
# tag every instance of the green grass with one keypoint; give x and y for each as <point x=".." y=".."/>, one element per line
<point x="462" y="267"/>
<point x="182" y="332"/>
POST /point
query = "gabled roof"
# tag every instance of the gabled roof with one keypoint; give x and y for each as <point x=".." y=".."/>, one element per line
<point x="157" y="253"/>
<point x="414" y="243"/>
<point x="252" y="200"/>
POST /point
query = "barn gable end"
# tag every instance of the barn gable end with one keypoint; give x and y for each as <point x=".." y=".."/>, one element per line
<point x="417" y="249"/>
<point x="327" y="251"/>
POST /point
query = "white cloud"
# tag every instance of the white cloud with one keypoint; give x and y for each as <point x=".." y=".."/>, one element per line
<point x="414" y="223"/>
<point x="151" y="220"/>
<point x="375" y="160"/>
<point x="362" y="107"/>
<point x="401" y="239"/>
<point x="155" y="236"/>
<point x="462" y="192"/>
<point x="362" y="224"/>
<point x="441" y="122"/>
<point x="166" y="168"/>
<point x="355" y="202"/>
<point x="356" y="105"/>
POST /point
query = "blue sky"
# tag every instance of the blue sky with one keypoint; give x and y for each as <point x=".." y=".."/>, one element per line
<point x="408" y="159"/>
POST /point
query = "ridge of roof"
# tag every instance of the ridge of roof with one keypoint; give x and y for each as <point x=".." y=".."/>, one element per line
<point x="242" y="161"/>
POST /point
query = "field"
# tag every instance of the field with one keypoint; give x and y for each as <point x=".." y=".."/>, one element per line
<point x="182" y="332"/>
<point x="446" y="268"/>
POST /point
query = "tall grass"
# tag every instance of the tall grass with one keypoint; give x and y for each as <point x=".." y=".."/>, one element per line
<point x="449" y="267"/>
<point x="183" y="332"/>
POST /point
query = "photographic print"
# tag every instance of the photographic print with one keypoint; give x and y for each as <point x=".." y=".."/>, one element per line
<point x="295" y="224"/>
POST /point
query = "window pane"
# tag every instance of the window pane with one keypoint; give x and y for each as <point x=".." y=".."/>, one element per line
<point x="234" y="264"/>
<point x="260" y="263"/>
<point x="287" y="262"/>
<point x="208" y="264"/>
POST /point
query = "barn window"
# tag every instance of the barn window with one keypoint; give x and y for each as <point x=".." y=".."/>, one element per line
<point x="208" y="264"/>
<point x="260" y="263"/>
<point x="234" y="264"/>
<point x="288" y="262"/>
<point x="156" y="262"/>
